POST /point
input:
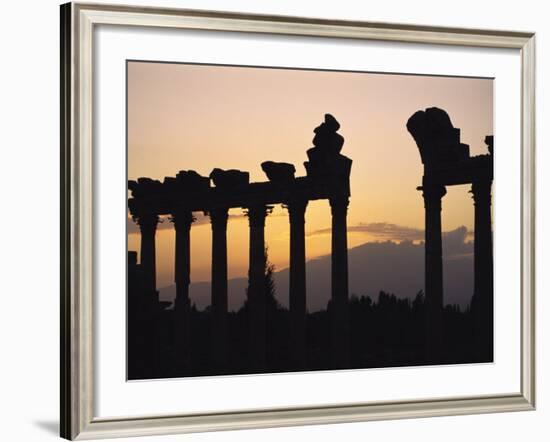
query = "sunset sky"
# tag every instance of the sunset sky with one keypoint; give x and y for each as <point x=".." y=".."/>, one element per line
<point x="183" y="117"/>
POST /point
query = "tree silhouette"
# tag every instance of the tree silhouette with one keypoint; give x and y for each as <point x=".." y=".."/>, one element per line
<point x="269" y="284"/>
<point x="271" y="301"/>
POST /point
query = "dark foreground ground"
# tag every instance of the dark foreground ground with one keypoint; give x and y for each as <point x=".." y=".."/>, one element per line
<point x="387" y="333"/>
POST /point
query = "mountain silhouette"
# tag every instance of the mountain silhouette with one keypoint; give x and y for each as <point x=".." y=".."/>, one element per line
<point x="393" y="267"/>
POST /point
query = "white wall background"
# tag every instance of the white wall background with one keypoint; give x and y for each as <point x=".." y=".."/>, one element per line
<point x="29" y="206"/>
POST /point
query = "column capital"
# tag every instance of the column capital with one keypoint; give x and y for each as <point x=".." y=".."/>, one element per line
<point x="218" y="217"/>
<point x="481" y="191"/>
<point x="433" y="191"/>
<point x="432" y="194"/>
<point x="182" y="218"/>
<point x="147" y="222"/>
<point x="339" y="205"/>
<point x="257" y="214"/>
<point x="296" y="209"/>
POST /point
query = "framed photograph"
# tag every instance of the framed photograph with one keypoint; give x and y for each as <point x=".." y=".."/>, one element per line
<point x="273" y="221"/>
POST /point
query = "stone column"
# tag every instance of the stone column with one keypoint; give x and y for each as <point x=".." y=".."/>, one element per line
<point x="297" y="283"/>
<point x="218" y="218"/>
<point x="483" y="268"/>
<point x="433" y="279"/>
<point x="339" y="309"/>
<point x="182" y="220"/>
<point x="151" y="344"/>
<point x="148" y="227"/>
<point x="256" y="287"/>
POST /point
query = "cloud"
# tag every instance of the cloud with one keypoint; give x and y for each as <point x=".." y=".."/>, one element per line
<point x="457" y="243"/>
<point x="381" y="231"/>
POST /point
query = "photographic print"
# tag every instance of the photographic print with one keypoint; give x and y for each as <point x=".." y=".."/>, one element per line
<point x="285" y="220"/>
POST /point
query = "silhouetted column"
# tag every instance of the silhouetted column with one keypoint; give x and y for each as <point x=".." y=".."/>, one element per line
<point x="182" y="220"/>
<point x="256" y="288"/>
<point x="182" y="267"/>
<point x="483" y="267"/>
<point x="339" y="299"/>
<point x="433" y="279"/>
<point x="297" y="283"/>
<point x="148" y="227"/>
<point x="218" y="218"/>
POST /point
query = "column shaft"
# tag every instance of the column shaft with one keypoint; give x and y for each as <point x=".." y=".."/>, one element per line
<point x="148" y="227"/>
<point x="182" y="220"/>
<point x="339" y="309"/>
<point x="433" y="278"/>
<point x="257" y="287"/>
<point x="218" y="218"/>
<point x="297" y="283"/>
<point x="182" y="264"/>
<point x="151" y="343"/>
<point x="483" y="268"/>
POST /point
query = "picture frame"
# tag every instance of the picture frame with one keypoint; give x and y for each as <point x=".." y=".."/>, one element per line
<point x="79" y="21"/>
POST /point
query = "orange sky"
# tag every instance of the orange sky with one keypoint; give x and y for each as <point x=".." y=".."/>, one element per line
<point x="200" y="117"/>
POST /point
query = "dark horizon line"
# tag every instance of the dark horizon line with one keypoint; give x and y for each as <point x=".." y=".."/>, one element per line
<point x="352" y="297"/>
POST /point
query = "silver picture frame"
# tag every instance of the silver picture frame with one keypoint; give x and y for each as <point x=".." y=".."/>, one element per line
<point x="78" y="21"/>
